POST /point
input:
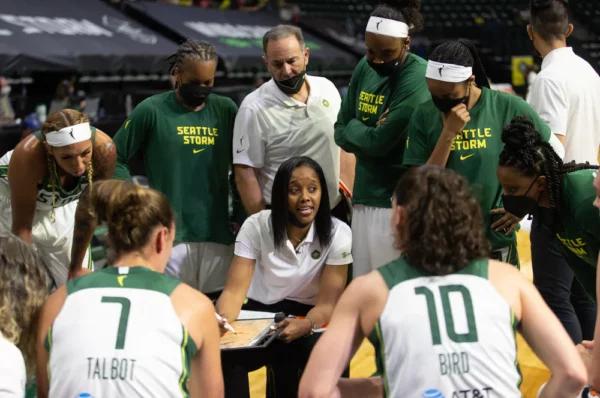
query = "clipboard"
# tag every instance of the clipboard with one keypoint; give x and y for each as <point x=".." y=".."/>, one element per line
<point x="252" y="334"/>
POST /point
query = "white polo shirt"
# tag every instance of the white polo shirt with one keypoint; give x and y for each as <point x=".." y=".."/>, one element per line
<point x="289" y="273"/>
<point x="272" y="127"/>
<point x="566" y="95"/>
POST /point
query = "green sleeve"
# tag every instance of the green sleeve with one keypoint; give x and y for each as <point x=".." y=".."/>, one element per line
<point x="347" y="114"/>
<point x="132" y="136"/>
<point x="238" y="212"/>
<point x="380" y="141"/>
<point x="587" y="215"/>
<point x="540" y="125"/>
<point x="417" y="150"/>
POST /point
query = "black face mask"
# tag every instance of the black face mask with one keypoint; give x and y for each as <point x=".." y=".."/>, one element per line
<point x="194" y="95"/>
<point x="445" y="105"/>
<point x="520" y="206"/>
<point x="292" y="85"/>
<point x="387" y="68"/>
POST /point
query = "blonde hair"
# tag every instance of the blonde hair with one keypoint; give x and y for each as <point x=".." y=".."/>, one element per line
<point x="23" y="291"/>
<point x="131" y="213"/>
<point x="56" y="121"/>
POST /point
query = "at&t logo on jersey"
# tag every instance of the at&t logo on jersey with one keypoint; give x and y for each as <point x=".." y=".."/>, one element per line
<point x="85" y="395"/>
<point x="433" y="393"/>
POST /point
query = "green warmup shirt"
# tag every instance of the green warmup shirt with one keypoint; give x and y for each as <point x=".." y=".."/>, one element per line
<point x="576" y="226"/>
<point x="475" y="152"/>
<point x="379" y="150"/>
<point x="188" y="156"/>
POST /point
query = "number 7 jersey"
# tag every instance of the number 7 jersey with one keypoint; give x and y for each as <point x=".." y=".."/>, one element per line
<point x="447" y="336"/>
<point x="117" y="335"/>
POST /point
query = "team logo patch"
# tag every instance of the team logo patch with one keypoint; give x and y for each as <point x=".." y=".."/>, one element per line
<point x="325" y="103"/>
<point x="316" y="255"/>
<point x="345" y="254"/>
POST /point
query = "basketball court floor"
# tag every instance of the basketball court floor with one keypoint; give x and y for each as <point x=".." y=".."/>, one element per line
<point x="363" y="364"/>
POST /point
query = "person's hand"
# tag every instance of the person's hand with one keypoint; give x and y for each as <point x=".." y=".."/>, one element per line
<point x="506" y="223"/>
<point x="382" y="118"/>
<point x="79" y="272"/>
<point x="455" y="120"/>
<point x="293" y="329"/>
<point x="222" y="323"/>
<point x="586" y="356"/>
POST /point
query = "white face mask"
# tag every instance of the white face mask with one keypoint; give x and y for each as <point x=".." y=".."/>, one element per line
<point x="5" y="90"/>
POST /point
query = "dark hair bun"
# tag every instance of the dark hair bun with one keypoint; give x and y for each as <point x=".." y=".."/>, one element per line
<point x="415" y="4"/>
<point x="521" y="134"/>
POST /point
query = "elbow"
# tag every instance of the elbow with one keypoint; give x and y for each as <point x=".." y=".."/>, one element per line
<point x="574" y="378"/>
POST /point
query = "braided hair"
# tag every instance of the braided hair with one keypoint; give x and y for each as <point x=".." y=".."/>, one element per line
<point x="462" y="52"/>
<point x="407" y="11"/>
<point x="202" y="50"/>
<point x="525" y="150"/>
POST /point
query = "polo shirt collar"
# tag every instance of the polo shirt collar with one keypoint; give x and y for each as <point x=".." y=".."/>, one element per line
<point x="556" y="54"/>
<point x="286" y="99"/>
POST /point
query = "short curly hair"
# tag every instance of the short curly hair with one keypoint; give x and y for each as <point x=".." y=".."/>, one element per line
<point x="444" y="230"/>
<point x="23" y="291"/>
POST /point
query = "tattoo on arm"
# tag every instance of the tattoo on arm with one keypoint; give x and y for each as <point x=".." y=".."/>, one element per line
<point x="104" y="162"/>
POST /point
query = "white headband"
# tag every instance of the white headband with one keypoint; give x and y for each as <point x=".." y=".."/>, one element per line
<point x="387" y="27"/>
<point x="448" y="72"/>
<point x="69" y="135"/>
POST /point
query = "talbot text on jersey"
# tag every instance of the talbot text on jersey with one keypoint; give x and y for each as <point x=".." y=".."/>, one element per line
<point x="110" y="368"/>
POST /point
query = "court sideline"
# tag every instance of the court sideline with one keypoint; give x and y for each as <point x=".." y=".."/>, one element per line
<point x="363" y="364"/>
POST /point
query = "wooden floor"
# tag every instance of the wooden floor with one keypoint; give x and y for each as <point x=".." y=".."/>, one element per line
<point x="363" y="364"/>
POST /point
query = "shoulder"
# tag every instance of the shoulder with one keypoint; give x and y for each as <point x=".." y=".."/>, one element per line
<point x="414" y="67"/>
<point x="368" y="289"/>
<point x="578" y="189"/>
<point x="152" y="102"/>
<point x="257" y="223"/>
<point x="104" y="155"/>
<point x="256" y="98"/>
<point x="31" y="155"/>
<point x="341" y="230"/>
<point x="324" y="85"/>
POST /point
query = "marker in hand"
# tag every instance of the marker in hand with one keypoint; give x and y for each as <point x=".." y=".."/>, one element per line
<point x="225" y="325"/>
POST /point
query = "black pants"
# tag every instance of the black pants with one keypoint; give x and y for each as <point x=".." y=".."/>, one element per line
<point x="285" y="362"/>
<point x="557" y="284"/>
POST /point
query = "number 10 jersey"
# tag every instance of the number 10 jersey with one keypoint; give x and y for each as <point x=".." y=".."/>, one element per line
<point x="447" y="336"/>
<point x="118" y="335"/>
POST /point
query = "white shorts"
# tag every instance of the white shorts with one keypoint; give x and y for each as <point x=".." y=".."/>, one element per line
<point x="202" y="265"/>
<point x="372" y="239"/>
<point x="51" y="240"/>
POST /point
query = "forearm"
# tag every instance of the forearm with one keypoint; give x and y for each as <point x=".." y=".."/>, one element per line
<point x="347" y="169"/>
<point x="250" y="193"/>
<point x="371" y="387"/>
<point x="230" y="304"/>
<point x="320" y="314"/>
<point x="85" y="224"/>
<point x="441" y="152"/>
<point x="559" y="386"/>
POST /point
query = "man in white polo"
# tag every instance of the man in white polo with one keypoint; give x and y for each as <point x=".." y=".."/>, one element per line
<point x="566" y="95"/>
<point x="290" y="115"/>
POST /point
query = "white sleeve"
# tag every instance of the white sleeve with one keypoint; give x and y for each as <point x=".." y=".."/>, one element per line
<point x="12" y="371"/>
<point x="549" y="101"/>
<point x="340" y="252"/>
<point x="557" y="146"/>
<point x="247" y="242"/>
<point x="248" y="143"/>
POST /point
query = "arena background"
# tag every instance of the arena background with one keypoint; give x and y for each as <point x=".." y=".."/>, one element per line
<point x="109" y="55"/>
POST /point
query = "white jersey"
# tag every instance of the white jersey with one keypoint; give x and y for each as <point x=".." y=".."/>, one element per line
<point x="117" y="335"/>
<point x="445" y="336"/>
